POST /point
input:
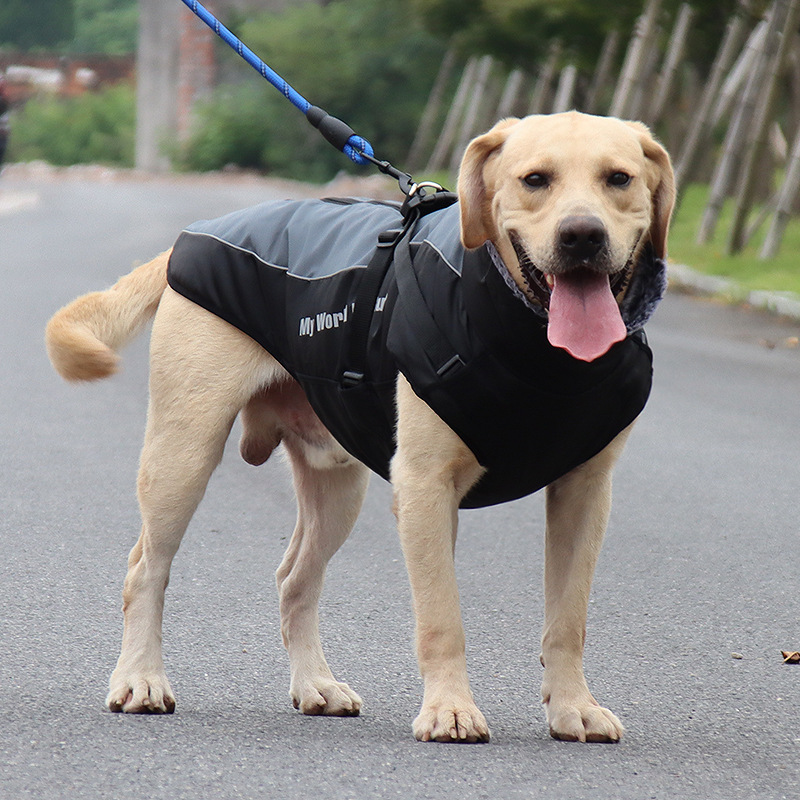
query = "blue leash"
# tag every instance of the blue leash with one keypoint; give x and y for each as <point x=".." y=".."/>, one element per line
<point x="421" y="198"/>
<point x="338" y="133"/>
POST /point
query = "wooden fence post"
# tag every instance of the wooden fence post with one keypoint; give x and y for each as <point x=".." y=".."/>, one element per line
<point x="603" y="72"/>
<point x="675" y="51"/>
<point x="759" y="137"/>
<point x="541" y="91"/>
<point x="508" y="100"/>
<point x="431" y="113"/>
<point x="633" y="68"/>
<point x="737" y="78"/>
<point x="467" y="130"/>
<point x="728" y="166"/>
<point x="566" y="88"/>
<point x="700" y="130"/>
<point x="445" y="142"/>
<point x="786" y="198"/>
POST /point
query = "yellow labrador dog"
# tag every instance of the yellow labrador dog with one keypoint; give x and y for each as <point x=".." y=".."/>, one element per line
<point x="567" y="207"/>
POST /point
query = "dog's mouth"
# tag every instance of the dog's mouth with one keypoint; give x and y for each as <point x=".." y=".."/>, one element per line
<point x="582" y="304"/>
<point x="540" y="284"/>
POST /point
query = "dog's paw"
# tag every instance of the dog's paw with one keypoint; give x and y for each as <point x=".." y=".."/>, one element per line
<point x="582" y="721"/>
<point x="326" y="697"/>
<point x="451" y="722"/>
<point x="140" y="694"/>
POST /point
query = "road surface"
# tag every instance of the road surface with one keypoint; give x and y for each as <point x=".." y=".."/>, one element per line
<point x="696" y="592"/>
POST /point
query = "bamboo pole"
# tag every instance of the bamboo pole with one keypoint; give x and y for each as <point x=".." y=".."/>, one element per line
<point x="633" y="67"/>
<point x="644" y="85"/>
<point x="737" y="78"/>
<point x="508" y="100"/>
<point x="541" y="92"/>
<point x="424" y="133"/>
<point x="675" y="51"/>
<point x="603" y="71"/>
<point x="760" y="134"/>
<point x="736" y="138"/>
<point x="467" y="130"/>
<point x="445" y="142"/>
<point x="699" y="130"/>
<point x="566" y="88"/>
<point x="786" y="198"/>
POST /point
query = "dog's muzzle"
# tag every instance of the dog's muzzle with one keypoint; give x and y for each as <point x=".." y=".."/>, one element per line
<point x="581" y="243"/>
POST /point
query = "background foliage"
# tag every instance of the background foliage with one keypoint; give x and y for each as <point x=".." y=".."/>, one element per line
<point x="92" y="128"/>
<point x="369" y="62"/>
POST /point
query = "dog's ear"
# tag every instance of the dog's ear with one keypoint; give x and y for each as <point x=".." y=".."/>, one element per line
<point x="472" y="190"/>
<point x="661" y="182"/>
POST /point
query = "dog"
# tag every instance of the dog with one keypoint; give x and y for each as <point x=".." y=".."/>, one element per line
<point x="570" y="207"/>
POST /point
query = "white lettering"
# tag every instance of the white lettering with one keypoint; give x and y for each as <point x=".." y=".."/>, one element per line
<point x="306" y="326"/>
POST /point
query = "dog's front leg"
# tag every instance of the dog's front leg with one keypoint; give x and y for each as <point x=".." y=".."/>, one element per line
<point x="578" y="507"/>
<point x="431" y="471"/>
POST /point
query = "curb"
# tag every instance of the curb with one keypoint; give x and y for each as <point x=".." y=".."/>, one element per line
<point x="785" y="304"/>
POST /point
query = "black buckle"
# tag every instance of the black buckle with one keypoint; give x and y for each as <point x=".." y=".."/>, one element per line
<point x="422" y="200"/>
<point x="351" y="379"/>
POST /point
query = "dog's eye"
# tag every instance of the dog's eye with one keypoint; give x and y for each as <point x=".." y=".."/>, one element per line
<point x="537" y="180"/>
<point x="619" y="179"/>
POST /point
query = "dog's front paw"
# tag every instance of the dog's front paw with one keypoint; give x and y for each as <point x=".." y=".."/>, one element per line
<point x="326" y="697"/>
<point x="582" y="720"/>
<point x="451" y="722"/>
<point x="140" y="693"/>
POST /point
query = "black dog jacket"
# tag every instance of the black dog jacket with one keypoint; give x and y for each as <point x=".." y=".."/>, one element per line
<point x="287" y="274"/>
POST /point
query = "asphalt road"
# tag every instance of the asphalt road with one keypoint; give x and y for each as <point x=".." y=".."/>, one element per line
<point x="701" y="562"/>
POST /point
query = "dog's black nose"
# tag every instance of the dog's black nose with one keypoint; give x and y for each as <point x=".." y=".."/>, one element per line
<point x="581" y="238"/>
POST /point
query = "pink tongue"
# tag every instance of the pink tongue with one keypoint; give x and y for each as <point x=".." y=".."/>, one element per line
<point x="584" y="317"/>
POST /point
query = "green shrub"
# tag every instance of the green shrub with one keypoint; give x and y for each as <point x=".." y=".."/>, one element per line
<point x="93" y="128"/>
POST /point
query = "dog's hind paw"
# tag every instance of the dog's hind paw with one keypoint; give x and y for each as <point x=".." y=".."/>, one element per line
<point x="583" y="722"/>
<point x="325" y="697"/>
<point x="448" y="723"/>
<point x="140" y="694"/>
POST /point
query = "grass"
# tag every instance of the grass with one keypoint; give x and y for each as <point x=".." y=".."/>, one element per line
<point x="781" y="273"/>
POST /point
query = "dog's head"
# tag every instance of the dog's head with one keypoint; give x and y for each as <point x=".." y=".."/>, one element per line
<point x="571" y="202"/>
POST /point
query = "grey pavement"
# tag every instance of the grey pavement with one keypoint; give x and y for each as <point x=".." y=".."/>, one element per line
<point x="701" y="562"/>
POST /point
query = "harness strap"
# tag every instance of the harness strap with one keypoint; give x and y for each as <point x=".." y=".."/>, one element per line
<point x="355" y="362"/>
<point x="395" y="244"/>
<point x="435" y="343"/>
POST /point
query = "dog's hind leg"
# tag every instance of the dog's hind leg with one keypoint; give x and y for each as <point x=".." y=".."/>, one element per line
<point x="202" y="372"/>
<point x="330" y="488"/>
<point x="578" y="508"/>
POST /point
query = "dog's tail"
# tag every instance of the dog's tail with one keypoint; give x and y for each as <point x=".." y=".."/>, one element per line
<point x="82" y="338"/>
